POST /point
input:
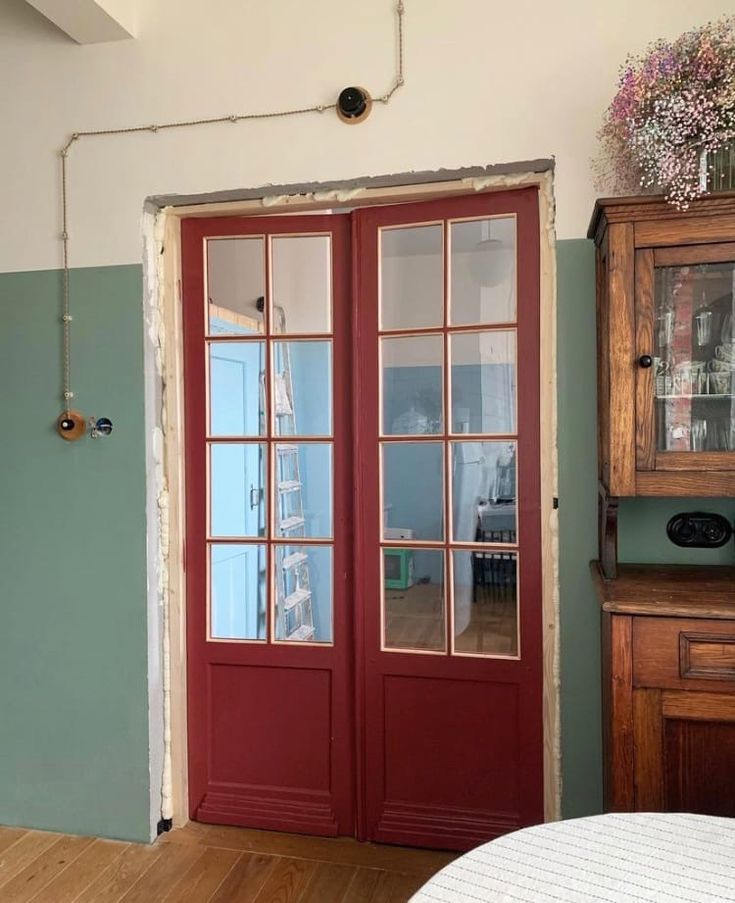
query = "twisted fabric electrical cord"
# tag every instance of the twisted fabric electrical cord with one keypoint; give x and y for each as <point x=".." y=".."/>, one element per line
<point x="68" y="394"/>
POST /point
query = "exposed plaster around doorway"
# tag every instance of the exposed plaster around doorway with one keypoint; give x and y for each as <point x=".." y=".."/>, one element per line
<point x="164" y="437"/>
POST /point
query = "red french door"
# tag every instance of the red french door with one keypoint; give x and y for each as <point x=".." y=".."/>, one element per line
<point x="448" y="534"/>
<point x="364" y="389"/>
<point x="268" y="524"/>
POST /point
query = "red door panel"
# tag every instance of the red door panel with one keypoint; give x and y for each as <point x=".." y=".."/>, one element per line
<point x="270" y="722"/>
<point x="418" y="719"/>
<point x="450" y="734"/>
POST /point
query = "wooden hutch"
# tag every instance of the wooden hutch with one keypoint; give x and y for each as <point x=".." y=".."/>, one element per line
<point x="666" y="427"/>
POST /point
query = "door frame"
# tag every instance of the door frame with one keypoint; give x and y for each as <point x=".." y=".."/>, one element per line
<point x="164" y="388"/>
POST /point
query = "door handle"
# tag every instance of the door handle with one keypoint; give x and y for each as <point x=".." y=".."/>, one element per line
<point x="645" y="361"/>
<point x="255" y="494"/>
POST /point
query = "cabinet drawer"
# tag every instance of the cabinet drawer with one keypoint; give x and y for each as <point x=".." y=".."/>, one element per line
<point x="679" y="653"/>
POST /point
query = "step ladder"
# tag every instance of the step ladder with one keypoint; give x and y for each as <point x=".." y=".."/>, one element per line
<point x="294" y="603"/>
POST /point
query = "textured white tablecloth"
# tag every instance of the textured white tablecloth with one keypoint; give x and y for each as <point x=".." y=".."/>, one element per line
<point x="616" y="858"/>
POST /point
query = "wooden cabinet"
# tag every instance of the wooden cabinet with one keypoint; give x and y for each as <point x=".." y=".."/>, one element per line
<point x="669" y="688"/>
<point x="666" y="352"/>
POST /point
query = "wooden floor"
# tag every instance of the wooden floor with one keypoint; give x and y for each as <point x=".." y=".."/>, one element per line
<point x="208" y="864"/>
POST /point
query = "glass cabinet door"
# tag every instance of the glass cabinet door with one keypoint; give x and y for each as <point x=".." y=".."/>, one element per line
<point x="694" y="353"/>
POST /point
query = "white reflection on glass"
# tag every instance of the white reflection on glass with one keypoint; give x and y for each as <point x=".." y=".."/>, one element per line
<point x="694" y="363"/>
<point x="235" y="285"/>
<point x="302" y="283"/>
<point x="483" y="278"/>
<point x="411" y="277"/>
<point x="484" y="492"/>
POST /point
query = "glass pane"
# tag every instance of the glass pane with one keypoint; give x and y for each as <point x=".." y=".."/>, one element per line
<point x="485" y="603"/>
<point x="302" y="283"/>
<point x="238" y="497"/>
<point x="412" y="277"/>
<point x="302" y="388"/>
<point x="236" y="388"/>
<point x="694" y="364"/>
<point x="483" y="382"/>
<point x="483" y="271"/>
<point x="413" y="379"/>
<point x="235" y="285"/>
<point x="303" y="577"/>
<point x="413" y="581"/>
<point x="413" y="490"/>
<point x="484" y="492"/>
<point x="237" y="591"/>
<point x="303" y="490"/>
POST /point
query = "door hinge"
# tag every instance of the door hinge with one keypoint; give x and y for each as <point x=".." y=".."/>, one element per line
<point x="555" y="503"/>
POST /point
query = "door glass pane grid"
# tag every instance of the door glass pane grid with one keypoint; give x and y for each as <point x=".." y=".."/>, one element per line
<point x="413" y="599"/>
<point x="302" y="399"/>
<point x="302" y="592"/>
<point x="412" y="496"/>
<point x="483" y="278"/>
<point x="412" y="384"/>
<point x="479" y="558"/>
<point x="302" y="491"/>
<point x="234" y="281"/>
<point x="241" y="609"/>
<point x="485" y="591"/>
<point x="237" y="609"/>
<point x="483" y="493"/>
<point x="410" y="269"/>
<point x="482" y="382"/>
<point x="300" y="283"/>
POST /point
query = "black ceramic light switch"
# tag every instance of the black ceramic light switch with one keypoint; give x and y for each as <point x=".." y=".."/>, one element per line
<point x="699" y="530"/>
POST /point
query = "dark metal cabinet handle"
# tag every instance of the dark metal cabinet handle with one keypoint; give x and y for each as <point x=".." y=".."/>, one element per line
<point x="645" y="361"/>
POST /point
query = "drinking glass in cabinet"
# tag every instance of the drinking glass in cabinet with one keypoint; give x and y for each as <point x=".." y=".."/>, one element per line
<point x="694" y="374"/>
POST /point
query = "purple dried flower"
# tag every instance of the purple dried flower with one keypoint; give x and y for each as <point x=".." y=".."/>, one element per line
<point x="673" y="102"/>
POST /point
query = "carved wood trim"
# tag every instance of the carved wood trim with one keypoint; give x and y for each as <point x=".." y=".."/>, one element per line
<point x="720" y="666"/>
<point x="688" y="255"/>
<point x="608" y="534"/>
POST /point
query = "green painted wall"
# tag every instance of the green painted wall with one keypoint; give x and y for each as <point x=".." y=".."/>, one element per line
<point x="642" y="530"/>
<point x="73" y="683"/>
<point x="73" y="699"/>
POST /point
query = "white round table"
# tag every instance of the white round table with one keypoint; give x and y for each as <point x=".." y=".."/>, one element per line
<point x="615" y="858"/>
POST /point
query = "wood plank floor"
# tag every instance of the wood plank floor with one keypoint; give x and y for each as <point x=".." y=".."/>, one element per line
<point x="209" y="864"/>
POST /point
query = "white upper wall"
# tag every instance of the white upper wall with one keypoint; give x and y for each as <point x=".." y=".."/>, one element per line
<point x="486" y="83"/>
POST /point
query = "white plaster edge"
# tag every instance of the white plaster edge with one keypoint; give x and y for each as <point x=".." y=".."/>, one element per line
<point x="156" y="527"/>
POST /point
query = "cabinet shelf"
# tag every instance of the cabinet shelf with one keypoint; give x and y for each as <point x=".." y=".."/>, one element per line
<point x="713" y="396"/>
